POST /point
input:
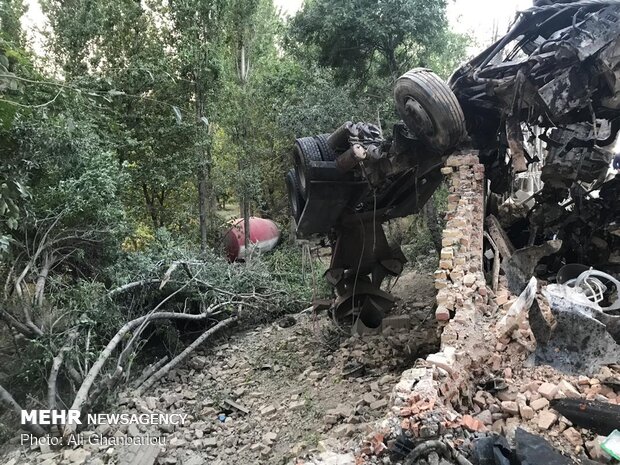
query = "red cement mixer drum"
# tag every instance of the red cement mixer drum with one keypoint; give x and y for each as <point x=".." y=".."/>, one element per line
<point x="264" y="235"/>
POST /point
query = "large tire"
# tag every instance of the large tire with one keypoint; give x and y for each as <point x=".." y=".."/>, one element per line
<point x="430" y="109"/>
<point x="327" y="153"/>
<point x="306" y="151"/>
<point x="294" y="196"/>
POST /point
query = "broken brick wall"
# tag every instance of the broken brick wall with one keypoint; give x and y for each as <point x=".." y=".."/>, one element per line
<point x="462" y="295"/>
<point x="459" y="280"/>
<point x="425" y="399"/>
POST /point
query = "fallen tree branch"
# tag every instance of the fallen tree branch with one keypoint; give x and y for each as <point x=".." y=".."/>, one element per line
<point x="17" y="325"/>
<point x="152" y="368"/>
<point x="82" y="394"/>
<point x="125" y="353"/>
<point x="7" y="399"/>
<point x="128" y="286"/>
<point x="183" y="355"/>
<point x="56" y="364"/>
<point x="114" y="378"/>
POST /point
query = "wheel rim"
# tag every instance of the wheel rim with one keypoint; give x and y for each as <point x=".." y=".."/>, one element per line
<point x="419" y="117"/>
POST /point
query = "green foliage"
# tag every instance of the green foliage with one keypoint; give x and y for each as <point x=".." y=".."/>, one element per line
<point x="72" y="171"/>
<point x="6" y="432"/>
<point x="277" y="275"/>
<point x="298" y="277"/>
<point x="449" y="52"/>
<point x="351" y="34"/>
<point x="11" y="194"/>
<point x="10" y="14"/>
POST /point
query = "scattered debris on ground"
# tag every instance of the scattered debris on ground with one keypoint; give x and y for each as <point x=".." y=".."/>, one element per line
<point x="273" y="393"/>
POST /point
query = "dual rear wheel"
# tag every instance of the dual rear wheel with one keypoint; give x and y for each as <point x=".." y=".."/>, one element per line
<point x="426" y="104"/>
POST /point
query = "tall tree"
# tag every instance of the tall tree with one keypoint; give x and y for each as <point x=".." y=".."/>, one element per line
<point x="198" y="40"/>
<point x="242" y="33"/>
<point x="354" y="35"/>
<point x="252" y="27"/>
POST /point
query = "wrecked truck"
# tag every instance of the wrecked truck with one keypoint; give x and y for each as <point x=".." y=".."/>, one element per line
<point x="542" y="108"/>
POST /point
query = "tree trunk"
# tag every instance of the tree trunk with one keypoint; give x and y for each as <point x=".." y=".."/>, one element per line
<point x="161" y="199"/>
<point x="203" y="204"/>
<point x="392" y="63"/>
<point x="244" y="71"/>
<point x="41" y="279"/>
<point x="246" y="227"/>
<point x="150" y="205"/>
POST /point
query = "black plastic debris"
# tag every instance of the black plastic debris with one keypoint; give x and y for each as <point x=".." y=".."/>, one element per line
<point x="599" y="417"/>
<point x="491" y="450"/>
<point x="534" y="450"/>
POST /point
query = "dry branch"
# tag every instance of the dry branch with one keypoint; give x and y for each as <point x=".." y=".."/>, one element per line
<point x="17" y="325"/>
<point x="56" y="364"/>
<point x="128" y="286"/>
<point x="82" y="395"/>
<point x="7" y="399"/>
<point x="183" y="355"/>
<point x="150" y="370"/>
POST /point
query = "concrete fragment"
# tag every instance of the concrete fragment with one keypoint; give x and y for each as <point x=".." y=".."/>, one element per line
<point x="548" y="390"/>
<point x="539" y="404"/>
<point x="485" y="417"/>
<point x="444" y="359"/>
<point x="396" y="322"/>
<point x="379" y="404"/>
<point x="76" y="456"/>
<point x="138" y="455"/>
<point x="269" y="438"/>
<point x="546" y="419"/>
<point x="568" y="390"/>
<point x="345" y="430"/>
<point x="527" y="413"/>
<point x="209" y="442"/>
<point x="442" y="314"/>
<point x="510" y="407"/>
<point x="573" y="436"/>
<point x="296" y="406"/>
<point x="469" y="279"/>
<point x="268" y="410"/>
<point x="332" y="458"/>
<point x="368" y="398"/>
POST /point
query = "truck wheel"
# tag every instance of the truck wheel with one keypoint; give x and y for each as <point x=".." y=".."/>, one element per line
<point x="327" y="153"/>
<point x="430" y="109"/>
<point x="306" y="151"/>
<point x="294" y="196"/>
